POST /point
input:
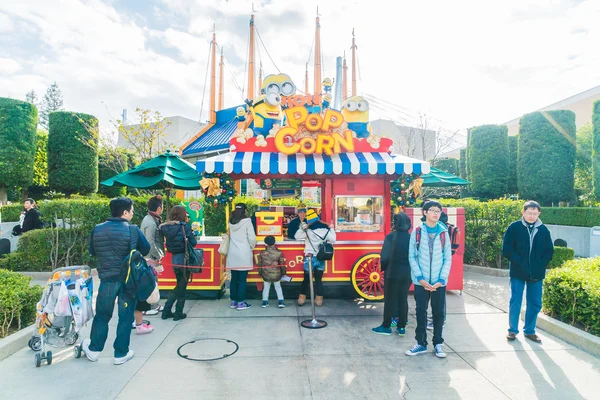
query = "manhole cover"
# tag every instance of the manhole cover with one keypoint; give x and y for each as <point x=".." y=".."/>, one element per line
<point x="209" y="349"/>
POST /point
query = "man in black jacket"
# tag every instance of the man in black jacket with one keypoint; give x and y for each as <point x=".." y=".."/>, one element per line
<point x="528" y="246"/>
<point x="111" y="243"/>
<point x="31" y="218"/>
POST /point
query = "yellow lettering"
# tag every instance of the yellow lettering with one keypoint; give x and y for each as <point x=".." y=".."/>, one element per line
<point x="332" y="119"/>
<point x="295" y="116"/>
<point x="325" y="143"/>
<point x="347" y="142"/>
<point x="311" y="143"/>
<point x="299" y="260"/>
<point x="313" y="122"/>
<point x="280" y="141"/>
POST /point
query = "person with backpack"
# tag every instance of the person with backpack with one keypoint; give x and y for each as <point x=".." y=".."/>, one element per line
<point x="430" y="257"/>
<point x="31" y="216"/>
<point x="271" y="265"/>
<point x="395" y="265"/>
<point x="314" y="233"/>
<point x="111" y="243"/>
<point x="527" y="244"/>
<point x="175" y="231"/>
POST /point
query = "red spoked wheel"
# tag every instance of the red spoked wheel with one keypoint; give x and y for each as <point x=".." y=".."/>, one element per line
<point x="367" y="277"/>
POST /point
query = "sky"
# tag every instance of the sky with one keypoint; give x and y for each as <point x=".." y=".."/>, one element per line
<point x="461" y="63"/>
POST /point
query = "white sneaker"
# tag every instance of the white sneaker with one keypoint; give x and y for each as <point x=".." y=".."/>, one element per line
<point x="91" y="355"/>
<point x="123" y="360"/>
<point x="439" y="351"/>
<point x="154" y="311"/>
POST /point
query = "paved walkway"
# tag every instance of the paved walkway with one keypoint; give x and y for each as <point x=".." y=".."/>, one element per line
<point x="277" y="359"/>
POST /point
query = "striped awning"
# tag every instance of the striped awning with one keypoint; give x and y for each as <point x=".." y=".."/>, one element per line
<point x="314" y="164"/>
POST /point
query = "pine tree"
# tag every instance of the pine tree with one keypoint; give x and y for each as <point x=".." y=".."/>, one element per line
<point x="53" y="101"/>
<point x="31" y="97"/>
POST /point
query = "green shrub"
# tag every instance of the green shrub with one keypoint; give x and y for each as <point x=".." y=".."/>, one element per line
<point x="450" y="165"/>
<point x="14" y="262"/>
<point x="572" y="294"/>
<point x="513" y="144"/>
<point x="596" y="147"/>
<point x="35" y="249"/>
<point x="571" y="216"/>
<point x="488" y="159"/>
<point x="18" y="123"/>
<point x="546" y="156"/>
<point x="17" y="301"/>
<point x="561" y="255"/>
<point x="73" y="153"/>
<point x="462" y="165"/>
<point x="11" y="212"/>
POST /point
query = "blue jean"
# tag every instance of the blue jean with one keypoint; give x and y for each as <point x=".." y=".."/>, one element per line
<point x="237" y="286"/>
<point x="534" y="305"/>
<point x="105" y="304"/>
<point x="438" y="305"/>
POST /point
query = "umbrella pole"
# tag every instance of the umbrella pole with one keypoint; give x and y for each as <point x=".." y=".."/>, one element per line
<point x="168" y="193"/>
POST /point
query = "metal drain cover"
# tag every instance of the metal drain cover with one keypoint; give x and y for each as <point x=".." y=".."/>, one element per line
<point x="208" y="349"/>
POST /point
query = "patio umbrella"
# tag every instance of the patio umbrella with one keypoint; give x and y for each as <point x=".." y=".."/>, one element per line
<point x="439" y="178"/>
<point x="167" y="171"/>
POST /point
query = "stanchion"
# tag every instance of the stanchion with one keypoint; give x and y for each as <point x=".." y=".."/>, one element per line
<point x="313" y="323"/>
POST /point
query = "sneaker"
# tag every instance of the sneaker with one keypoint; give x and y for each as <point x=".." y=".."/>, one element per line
<point x="381" y="330"/>
<point x="401" y="331"/>
<point x="91" y="355"/>
<point x="394" y="322"/>
<point x="123" y="360"/>
<point x="281" y="304"/>
<point x="144" y="329"/>
<point x="265" y="304"/>
<point x="179" y="316"/>
<point x="439" y="351"/>
<point x="150" y="312"/>
<point x="243" y="306"/>
<point x="233" y="304"/>
<point x="429" y="324"/>
<point x="166" y="314"/>
<point x="133" y="325"/>
<point x="417" y="349"/>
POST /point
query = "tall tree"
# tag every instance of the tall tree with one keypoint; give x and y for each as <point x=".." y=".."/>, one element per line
<point x="31" y="97"/>
<point x="53" y="101"/>
<point x="488" y="161"/>
<point x="39" y="185"/>
<point x="147" y="138"/>
<point x="596" y="148"/>
<point x="18" y="122"/>
<point x="513" y="144"/>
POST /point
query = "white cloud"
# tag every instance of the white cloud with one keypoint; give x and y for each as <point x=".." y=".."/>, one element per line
<point x="6" y="25"/>
<point x="8" y="66"/>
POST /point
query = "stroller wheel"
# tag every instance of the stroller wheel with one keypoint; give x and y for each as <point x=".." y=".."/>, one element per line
<point x="38" y="360"/>
<point x="72" y="340"/>
<point x="35" y="343"/>
<point x="77" y="351"/>
<point x="49" y="357"/>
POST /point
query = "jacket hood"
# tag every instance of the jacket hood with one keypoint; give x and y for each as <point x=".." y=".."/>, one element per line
<point x="538" y="222"/>
<point x="240" y="224"/>
<point x="171" y="223"/>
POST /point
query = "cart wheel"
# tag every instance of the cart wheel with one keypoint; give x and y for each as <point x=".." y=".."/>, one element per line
<point x="77" y="351"/>
<point x="29" y="343"/>
<point x="367" y="277"/>
<point x="38" y="360"/>
<point x="72" y="340"/>
<point x="49" y="357"/>
<point x="35" y="343"/>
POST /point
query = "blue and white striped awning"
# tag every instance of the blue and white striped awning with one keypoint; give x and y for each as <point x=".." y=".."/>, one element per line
<point x="314" y="164"/>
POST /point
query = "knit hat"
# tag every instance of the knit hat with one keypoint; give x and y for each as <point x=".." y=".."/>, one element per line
<point x="264" y="206"/>
<point x="301" y="207"/>
<point x="311" y="216"/>
<point x="270" y="240"/>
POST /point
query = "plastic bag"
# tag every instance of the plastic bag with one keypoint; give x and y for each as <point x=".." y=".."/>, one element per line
<point x="154" y="297"/>
<point x="62" y="306"/>
<point x="74" y="299"/>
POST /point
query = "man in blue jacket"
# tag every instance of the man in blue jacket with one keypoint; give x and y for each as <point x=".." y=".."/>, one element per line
<point x="430" y="258"/>
<point x="528" y="246"/>
<point x="111" y="242"/>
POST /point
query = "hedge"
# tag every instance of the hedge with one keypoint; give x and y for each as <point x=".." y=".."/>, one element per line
<point x="73" y="153"/>
<point x="450" y="165"/>
<point x="571" y="216"/>
<point x="18" y="123"/>
<point x="462" y="165"/>
<point x="596" y="147"/>
<point x="17" y="301"/>
<point x="572" y="294"/>
<point x="546" y="156"/>
<point x="488" y="161"/>
<point x="11" y="212"/>
<point x="513" y="145"/>
<point x="560" y="256"/>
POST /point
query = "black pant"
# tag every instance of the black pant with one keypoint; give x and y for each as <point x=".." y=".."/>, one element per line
<point x="179" y="292"/>
<point x="438" y="305"/>
<point x="396" y="300"/>
<point x="318" y="276"/>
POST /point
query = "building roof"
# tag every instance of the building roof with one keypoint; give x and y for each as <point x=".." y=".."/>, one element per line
<point x="216" y="136"/>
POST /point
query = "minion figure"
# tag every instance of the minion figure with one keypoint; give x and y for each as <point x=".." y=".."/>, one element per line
<point x="266" y="112"/>
<point x="280" y="84"/>
<point x="240" y="114"/>
<point x="326" y="100"/>
<point x="355" y="111"/>
<point x="327" y="85"/>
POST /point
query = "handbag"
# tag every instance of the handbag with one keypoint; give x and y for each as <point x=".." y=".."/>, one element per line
<point x="224" y="247"/>
<point x="194" y="258"/>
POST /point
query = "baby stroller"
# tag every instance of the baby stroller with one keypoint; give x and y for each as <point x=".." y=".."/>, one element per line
<point x="65" y="307"/>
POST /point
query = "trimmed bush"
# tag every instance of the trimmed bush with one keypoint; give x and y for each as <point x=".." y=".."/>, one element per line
<point x="18" y="123"/>
<point x="449" y="165"/>
<point x="462" y="165"/>
<point x="39" y="186"/>
<point x="513" y="144"/>
<point x="35" y="249"/>
<point x="488" y="161"/>
<point x="73" y="153"/>
<point x="546" y="156"/>
<point x="560" y="256"/>
<point x="572" y="294"/>
<point x="11" y="212"/>
<point x="109" y="160"/>
<point x="571" y="216"/>
<point x="596" y="148"/>
<point x="17" y="301"/>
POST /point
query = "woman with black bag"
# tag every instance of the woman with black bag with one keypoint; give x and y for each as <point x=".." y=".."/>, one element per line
<point x="176" y="231"/>
<point x="394" y="262"/>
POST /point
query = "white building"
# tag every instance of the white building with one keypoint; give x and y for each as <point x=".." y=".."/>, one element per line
<point x="408" y="141"/>
<point x="178" y="130"/>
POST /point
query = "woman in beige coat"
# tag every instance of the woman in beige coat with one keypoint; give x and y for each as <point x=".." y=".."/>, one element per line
<point x="242" y="240"/>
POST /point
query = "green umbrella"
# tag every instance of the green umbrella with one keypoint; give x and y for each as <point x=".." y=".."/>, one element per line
<point x="439" y="178"/>
<point x="167" y="171"/>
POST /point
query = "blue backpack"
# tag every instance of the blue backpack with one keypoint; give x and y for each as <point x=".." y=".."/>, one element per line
<point x="140" y="281"/>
